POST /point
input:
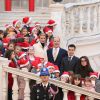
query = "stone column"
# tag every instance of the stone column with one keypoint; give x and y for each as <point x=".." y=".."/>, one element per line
<point x="57" y="14"/>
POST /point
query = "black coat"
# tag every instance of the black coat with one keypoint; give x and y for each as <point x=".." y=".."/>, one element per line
<point x="83" y="71"/>
<point x="61" y="54"/>
<point x="39" y="93"/>
<point x="70" y="66"/>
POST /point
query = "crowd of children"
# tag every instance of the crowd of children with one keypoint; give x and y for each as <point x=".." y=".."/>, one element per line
<point x="16" y="44"/>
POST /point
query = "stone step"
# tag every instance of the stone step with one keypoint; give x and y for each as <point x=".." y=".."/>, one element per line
<point x="39" y="16"/>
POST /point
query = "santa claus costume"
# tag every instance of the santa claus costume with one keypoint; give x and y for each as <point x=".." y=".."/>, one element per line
<point x="17" y="26"/>
<point x="26" y="22"/>
<point x="50" y="24"/>
<point x="50" y="37"/>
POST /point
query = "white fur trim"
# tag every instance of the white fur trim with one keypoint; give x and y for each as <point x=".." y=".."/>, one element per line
<point x="17" y="23"/>
<point x="5" y="44"/>
<point x="93" y="76"/>
<point x="40" y="65"/>
<point x="51" y="24"/>
<point x="64" y="75"/>
<point x="23" y="65"/>
<point x="22" y="55"/>
<point x="33" y="29"/>
<point x="45" y="63"/>
<point x="30" y="19"/>
<point x="25" y="47"/>
<point x="50" y="67"/>
<point x="56" y="71"/>
<point x="37" y="24"/>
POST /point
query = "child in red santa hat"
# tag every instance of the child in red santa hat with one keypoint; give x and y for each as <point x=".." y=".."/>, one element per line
<point x="9" y="28"/>
<point x="37" y="25"/>
<point x="27" y="22"/>
<point x="10" y="31"/>
<point x="94" y="76"/>
<point x="5" y="40"/>
<point x="50" y="24"/>
<point x="65" y="77"/>
<point x="33" y="36"/>
<point x="50" y="37"/>
<point x="51" y="68"/>
<point x="25" y="44"/>
<point x="23" y="33"/>
<point x="17" y="26"/>
<point x="57" y="72"/>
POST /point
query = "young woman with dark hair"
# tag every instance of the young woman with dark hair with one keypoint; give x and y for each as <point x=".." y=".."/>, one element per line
<point x="84" y="67"/>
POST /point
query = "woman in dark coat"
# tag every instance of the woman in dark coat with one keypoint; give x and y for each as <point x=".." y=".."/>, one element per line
<point x="84" y="67"/>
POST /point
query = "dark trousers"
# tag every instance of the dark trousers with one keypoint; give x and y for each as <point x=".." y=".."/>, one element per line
<point x="9" y="94"/>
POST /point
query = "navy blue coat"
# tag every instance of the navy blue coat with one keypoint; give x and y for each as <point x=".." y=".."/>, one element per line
<point x="61" y="54"/>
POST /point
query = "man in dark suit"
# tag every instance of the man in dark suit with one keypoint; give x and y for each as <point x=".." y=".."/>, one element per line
<point x="56" y="54"/>
<point x="44" y="90"/>
<point x="70" y="62"/>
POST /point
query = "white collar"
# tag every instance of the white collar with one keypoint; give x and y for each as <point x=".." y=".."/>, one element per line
<point x="45" y="84"/>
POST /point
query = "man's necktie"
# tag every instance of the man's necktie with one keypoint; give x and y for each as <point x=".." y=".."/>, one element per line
<point x="44" y="88"/>
<point x="69" y="59"/>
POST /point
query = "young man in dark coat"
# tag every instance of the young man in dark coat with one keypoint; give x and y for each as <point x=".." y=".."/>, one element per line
<point x="44" y="90"/>
<point x="70" y="62"/>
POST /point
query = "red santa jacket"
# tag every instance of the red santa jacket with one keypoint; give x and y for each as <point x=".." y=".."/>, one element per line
<point x="71" y="96"/>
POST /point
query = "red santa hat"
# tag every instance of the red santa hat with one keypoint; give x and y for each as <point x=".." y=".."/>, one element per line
<point x="50" y="65"/>
<point x="65" y="74"/>
<point x="8" y="26"/>
<point x="37" y="23"/>
<point x="25" y="45"/>
<point x="35" y="64"/>
<point x="15" y="22"/>
<point x="23" y="62"/>
<point x="47" y="30"/>
<point x="51" y="23"/>
<point x="32" y="29"/>
<point x="27" y="20"/>
<point x="21" y="55"/>
<point x="56" y="69"/>
<point x="94" y="74"/>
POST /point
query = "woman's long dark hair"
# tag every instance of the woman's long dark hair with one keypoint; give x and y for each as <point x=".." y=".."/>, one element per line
<point x="87" y="60"/>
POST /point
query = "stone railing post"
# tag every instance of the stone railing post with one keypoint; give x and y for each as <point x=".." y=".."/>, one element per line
<point x="95" y="19"/>
<point x="65" y="92"/>
<point x="5" y="85"/>
<point x="15" y="88"/>
<point x="88" y="20"/>
<point x="72" y="22"/>
<point x="77" y="96"/>
<point x="27" y="90"/>
<point x="81" y="20"/>
<point x="98" y="18"/>
<point x="91" y="98"/>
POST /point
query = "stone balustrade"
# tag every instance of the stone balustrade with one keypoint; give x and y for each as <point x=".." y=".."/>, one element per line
<point x="82" y="18"/>
<point x="27" y="76"/>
